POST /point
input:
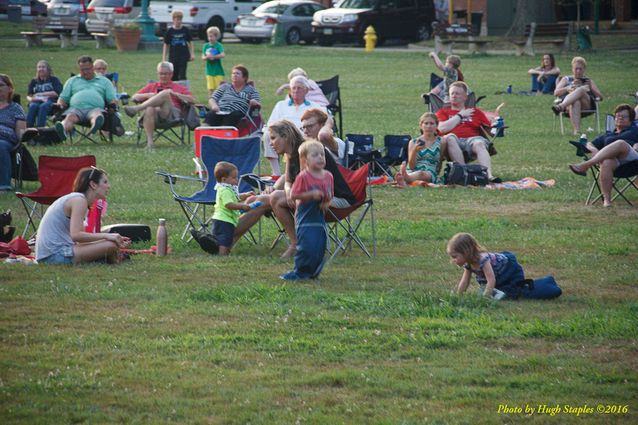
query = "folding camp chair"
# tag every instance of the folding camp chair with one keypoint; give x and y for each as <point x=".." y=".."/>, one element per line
<point x="396" y="151"/>
<point x="57" y="174"/>
<point x="435" y="102"/>
<point x="361" y="151"/>
<point x="252" y="122"/>
<point x="81" y="130"/>
<point x="331" y="90"/>
<point x="344" y="223"/>
<point x="595" y="111"/>
<point x="243" y="152"/>
<point x="625" y="176"/>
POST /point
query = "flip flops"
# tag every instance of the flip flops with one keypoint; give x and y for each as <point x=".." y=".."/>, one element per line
<point x="577" y="170"/>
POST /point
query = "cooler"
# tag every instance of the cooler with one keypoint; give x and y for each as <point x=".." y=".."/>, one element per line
<point x="220" y="132"/>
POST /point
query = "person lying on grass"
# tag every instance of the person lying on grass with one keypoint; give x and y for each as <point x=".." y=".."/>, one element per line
<point x="61" y="237"/>
<point x="498" y="274"/>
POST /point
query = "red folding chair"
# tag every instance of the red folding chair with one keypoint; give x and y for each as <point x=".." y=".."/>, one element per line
<point x="344" y="223"/>
<point x="56" y="175"/>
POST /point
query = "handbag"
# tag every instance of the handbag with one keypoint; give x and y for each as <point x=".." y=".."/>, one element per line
<point x="191" y="116"/>
<point x="465" y="174"/>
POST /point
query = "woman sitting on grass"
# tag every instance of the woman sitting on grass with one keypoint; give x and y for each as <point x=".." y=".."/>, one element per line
<point x="424" y="154"/>
<point x="61" y="236"/>
<point x="544" y="77"/>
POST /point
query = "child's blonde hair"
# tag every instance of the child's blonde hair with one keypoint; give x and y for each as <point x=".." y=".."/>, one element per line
<point x="467" y="246"/>
<point x="295" y="72"/>
<point x="177" y="14"/>
<point x="224" y="169"/>
<point x="213" y="30"/>
<point x="454" y="60"/>
<point x="310" y="146"/>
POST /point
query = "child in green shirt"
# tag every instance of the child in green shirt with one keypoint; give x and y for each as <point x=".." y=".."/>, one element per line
<point x="212" y="53"/>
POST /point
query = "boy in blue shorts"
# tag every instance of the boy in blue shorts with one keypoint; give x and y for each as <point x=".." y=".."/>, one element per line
<point x="212" y="53"/>
<point x="228" y="205"/>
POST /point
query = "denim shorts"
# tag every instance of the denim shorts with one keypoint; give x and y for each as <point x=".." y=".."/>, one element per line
<point x="56" y="259"/>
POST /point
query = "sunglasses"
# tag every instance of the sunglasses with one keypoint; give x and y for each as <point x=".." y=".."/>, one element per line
<point x="91" y="173"/>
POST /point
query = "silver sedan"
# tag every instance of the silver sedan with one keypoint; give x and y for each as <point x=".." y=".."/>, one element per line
<point x="294" y="16"/>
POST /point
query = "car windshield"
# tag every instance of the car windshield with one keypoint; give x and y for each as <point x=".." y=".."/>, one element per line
<point x="273" y="8"/>
<point x="359" y="4"/>
<point x="107" y="3"/>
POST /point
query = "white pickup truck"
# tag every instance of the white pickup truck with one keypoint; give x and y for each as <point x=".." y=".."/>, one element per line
<point x="201" y="14"/>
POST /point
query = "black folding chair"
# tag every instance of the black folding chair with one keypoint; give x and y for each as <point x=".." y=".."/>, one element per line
<point x="331" y="90"/>
<point x="396" y="151"/>
<point x="624" y="178"/>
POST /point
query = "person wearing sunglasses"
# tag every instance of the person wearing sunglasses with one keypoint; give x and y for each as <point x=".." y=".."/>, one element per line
<point x="61" y="237"/>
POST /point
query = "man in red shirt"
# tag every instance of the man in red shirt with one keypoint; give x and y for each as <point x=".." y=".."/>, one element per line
<point x="161" y="101"/>
<point x="461" y="127"/>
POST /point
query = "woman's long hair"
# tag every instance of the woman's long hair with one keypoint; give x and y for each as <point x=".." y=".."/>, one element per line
<point x="85" y="176"/>
<point x="46" y="64"/>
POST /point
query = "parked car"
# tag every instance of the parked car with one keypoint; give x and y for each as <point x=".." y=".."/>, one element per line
<point x="29" y="7"/>
<point x="68" y="8"/>
<point x="295" y="17"/>
<point x="407" y="19"/>
<point x="101" y="12"/>
<point x="201" y="14"/>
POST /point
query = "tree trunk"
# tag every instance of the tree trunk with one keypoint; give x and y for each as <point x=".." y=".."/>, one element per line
<point x="526" y="12"/>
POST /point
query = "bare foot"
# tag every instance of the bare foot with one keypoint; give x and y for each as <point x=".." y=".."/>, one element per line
<point x="400" y="180"/>
<point x="290" y="252"/>
<point x="606" y="204"/>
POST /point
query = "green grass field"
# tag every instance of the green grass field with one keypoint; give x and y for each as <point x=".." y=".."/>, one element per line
<point x="196" y="339"/>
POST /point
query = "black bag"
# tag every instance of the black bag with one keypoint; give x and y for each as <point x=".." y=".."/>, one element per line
<point x="6" y="230"/>
<point x="191" y="116"/>
<point x="23" y="166"/>
<point x="136" y="232"/>
<point x="465" y="174"/>
<point x="46" y="136"/>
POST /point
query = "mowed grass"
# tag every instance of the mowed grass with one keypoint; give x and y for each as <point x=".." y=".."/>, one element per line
<point x="195" y="339"/>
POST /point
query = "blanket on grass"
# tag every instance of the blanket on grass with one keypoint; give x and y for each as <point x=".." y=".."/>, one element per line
<point x="525" y="183"/>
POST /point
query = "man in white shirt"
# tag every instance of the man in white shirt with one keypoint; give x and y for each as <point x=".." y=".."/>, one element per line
<point x="291" y="109"/>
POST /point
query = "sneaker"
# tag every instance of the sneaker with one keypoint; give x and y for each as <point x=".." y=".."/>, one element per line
<point x="99" y="122"/>
<point x="59" y="128"/>
<point x="130" y="111"/>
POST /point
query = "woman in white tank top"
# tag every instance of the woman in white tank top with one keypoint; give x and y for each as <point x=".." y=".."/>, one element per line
<point x="61" y="238"/>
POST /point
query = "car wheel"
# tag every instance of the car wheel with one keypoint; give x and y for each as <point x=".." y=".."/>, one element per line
<point x="322" y="41"/>
<point x="422" y="32"/>
<point x="293" y="36"/>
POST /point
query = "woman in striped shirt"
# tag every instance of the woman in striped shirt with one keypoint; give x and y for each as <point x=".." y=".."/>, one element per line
<point x="230" y="102"/>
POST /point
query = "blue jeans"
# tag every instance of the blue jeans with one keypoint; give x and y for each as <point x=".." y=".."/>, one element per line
<point x="39" y="110"/>
<point x="5" y="164"/>
<point x="546" y="87"/>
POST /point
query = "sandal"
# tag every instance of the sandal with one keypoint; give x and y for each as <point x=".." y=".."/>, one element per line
<point x="577" y="170"/>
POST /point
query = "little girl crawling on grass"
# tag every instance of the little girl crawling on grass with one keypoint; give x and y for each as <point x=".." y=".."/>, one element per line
<point x="498" y="273"/>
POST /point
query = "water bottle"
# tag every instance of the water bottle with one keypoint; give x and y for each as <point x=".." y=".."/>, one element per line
<point x="499" y="122"/>
<point x="509" y="89"/>
<point x="583" y="139"/>
<point x="161" y="238"/>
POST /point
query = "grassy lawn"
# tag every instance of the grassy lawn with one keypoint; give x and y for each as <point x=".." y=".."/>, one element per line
<point x="196" y="339"/>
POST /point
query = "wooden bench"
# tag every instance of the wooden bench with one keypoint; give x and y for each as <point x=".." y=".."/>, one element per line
<point x="446" y="36"/>
<point x="103" y="35"/>
<point x="557" y="34"/>
<point x="63" y="27"/>
<point x="34" y="38"/>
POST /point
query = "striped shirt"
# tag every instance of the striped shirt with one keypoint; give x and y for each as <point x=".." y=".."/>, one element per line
<point x="230" y="100"/>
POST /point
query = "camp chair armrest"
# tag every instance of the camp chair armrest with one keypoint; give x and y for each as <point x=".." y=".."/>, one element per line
<point x="172" y="180"/>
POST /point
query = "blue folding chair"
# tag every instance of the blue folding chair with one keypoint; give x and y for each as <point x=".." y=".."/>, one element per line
<point x="243" y="152"/>
<point x="396" y="151"/>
